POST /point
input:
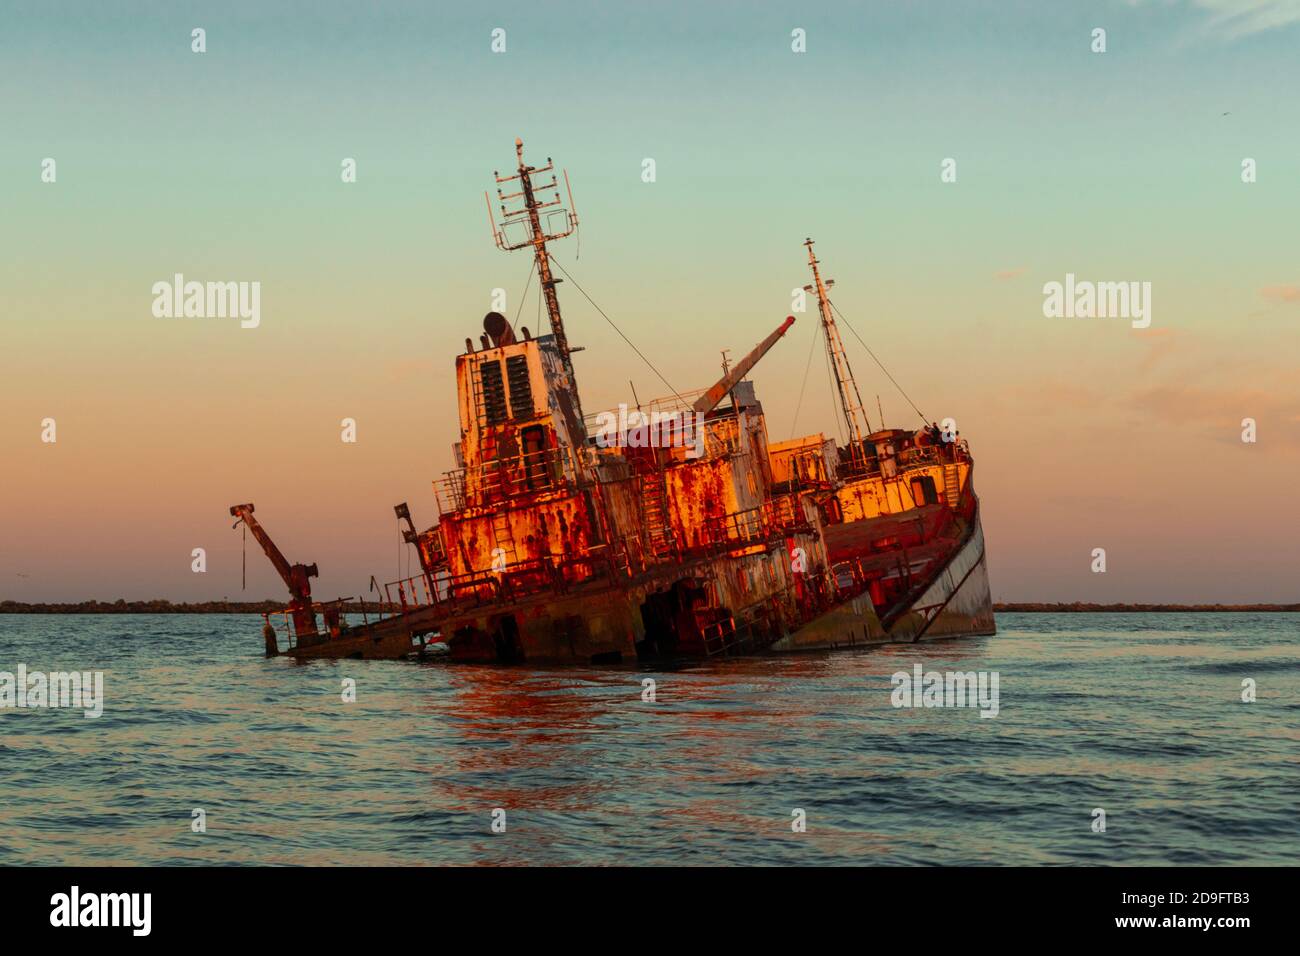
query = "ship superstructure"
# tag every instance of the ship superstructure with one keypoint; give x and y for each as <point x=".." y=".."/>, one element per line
<point x="668" y="530"/>
<point x="900" y="515"/>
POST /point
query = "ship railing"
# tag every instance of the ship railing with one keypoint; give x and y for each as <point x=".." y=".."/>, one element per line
<point x="940" y="454"/>
<point x="749" y="526"/>
<point x="282" y="623"/>
<point x="737" y="529"/>
<point x="717" y="436"/>
<point x="907" y="458"/>
<point x="440" y="590"/>
<point x="919" y="455"/>
<point x="449" y="491"/>
<point x="672" y="405"/>
<point x="611" y="562"/>
<point x="761" y="622"/>
<point x="517" y="579"/>
<point x="749" y="628"/>
<point x="331" y="618"/>
<point x="503" y="478"/>
<point x="719" y="635"/>
<point x="803" y="470"/>
<point x="858" y="468"/>
<point x="532" y="471"/>
<point x="419" y="590"/>
<point x="784" y="514"/>
<point x="720" y="442"/>
<point x="854" y="576"/>
<point x="601" y="561"/>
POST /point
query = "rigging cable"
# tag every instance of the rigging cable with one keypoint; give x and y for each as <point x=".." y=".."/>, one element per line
<point x="532" y="269"/>
<point x="807" y="367"/>
<point x="834" y="392"/>
<point x="924" y="420"/>
<point x="648" y="363"/>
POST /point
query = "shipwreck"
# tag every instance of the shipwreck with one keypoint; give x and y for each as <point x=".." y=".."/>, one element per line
<point x="674" y="530"/>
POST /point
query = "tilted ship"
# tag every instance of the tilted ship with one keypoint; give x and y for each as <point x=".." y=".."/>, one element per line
<point x="673" y="530"/>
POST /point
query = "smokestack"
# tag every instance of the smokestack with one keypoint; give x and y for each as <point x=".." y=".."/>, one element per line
<point x="495" y="324"/>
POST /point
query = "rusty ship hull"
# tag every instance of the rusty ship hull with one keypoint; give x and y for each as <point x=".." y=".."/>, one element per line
<point x="667" y="530"/>
<point x="601" y="622"/>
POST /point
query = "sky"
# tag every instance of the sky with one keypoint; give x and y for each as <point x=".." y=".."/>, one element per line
<point x="1123" y="165"/>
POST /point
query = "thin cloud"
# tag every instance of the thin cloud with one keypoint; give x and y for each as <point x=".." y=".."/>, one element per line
<point x="1278" y="294"/>
<point x="1161" y="343"/>
<point x="1218" y="412"/>
<point x="1234" y="19"/>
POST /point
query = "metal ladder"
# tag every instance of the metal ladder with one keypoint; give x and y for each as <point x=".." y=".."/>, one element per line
<point x="951" y="484"/>
<point x="659" y="534"/>
<point x="503" y="535"/>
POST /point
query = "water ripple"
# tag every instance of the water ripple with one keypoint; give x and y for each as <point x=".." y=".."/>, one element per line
<point x="1138" y="715"/>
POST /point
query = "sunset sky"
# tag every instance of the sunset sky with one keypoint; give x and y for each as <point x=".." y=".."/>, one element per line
<point x="225" y="166"/>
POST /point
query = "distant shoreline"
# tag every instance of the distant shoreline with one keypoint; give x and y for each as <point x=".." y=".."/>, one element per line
<point x="262" y="607"/>
<point x="1077" y="607"/>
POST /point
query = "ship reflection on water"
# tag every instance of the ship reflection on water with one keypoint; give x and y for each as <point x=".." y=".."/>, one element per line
<point x="551" y="745"/>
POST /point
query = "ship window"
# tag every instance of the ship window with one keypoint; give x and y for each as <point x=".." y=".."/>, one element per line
<point x="521" y="389"/>
<point x="537" y="471"/>
<point x="492" y="392"/>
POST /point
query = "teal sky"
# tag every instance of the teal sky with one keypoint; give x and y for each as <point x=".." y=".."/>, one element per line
<point x="1114" y="166"/>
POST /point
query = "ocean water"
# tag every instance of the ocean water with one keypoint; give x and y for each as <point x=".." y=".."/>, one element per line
<point x="1139" y="715"/>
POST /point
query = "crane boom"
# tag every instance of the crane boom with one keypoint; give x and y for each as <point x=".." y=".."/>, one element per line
<point x="722" y="386"/>
<point x="296" y="577"/>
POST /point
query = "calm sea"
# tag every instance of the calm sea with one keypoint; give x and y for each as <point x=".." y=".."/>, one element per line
<point x="1139" y="715"/>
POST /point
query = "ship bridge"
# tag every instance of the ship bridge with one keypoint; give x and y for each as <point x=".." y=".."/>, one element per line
<point x="519" y="423"/>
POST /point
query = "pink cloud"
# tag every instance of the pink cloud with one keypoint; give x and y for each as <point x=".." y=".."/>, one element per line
<point x="1281" y="293"/>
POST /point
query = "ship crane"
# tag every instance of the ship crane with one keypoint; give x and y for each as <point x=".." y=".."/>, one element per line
<point x="855" y="416"/>
<point x="429" y="565"/>
<point x="296" y="577"/>
<point x="706" y="402"/>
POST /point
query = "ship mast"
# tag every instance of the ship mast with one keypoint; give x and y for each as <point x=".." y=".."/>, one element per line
<point x="530" y="215"/>
<point x="855" y="417"/>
